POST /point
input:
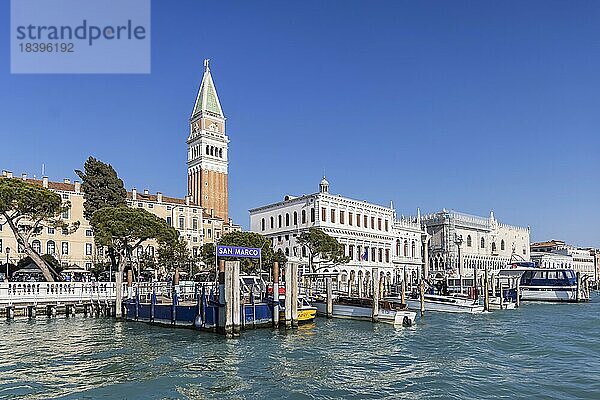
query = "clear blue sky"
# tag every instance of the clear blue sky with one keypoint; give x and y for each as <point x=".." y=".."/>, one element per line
<point x="468" y="105"/>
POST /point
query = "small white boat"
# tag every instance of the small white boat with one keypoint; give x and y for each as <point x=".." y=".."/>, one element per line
<point x="361" y="309"/>
<point x="452" y="303"/>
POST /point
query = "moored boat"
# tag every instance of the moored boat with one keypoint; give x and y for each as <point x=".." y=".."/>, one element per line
<point x="454" y="303"/>
<point x="546" y="284"/>
<point x="362" y="309"/>
<point x="306" y="312"/>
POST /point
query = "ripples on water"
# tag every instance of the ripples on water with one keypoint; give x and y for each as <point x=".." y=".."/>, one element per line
<point x="538" y="351"/>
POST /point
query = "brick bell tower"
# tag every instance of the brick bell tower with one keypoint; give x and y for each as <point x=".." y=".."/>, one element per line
<point x="207" y="151"/>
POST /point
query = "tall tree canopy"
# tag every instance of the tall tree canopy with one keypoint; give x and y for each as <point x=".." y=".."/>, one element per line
<point x="322" y="246"/>
<point x="174" y="254"/>
<point x="27" y="208"/>
<point x="124" y="229"/>
<point x="245" y="239"/>
<point x="101" y="187"/>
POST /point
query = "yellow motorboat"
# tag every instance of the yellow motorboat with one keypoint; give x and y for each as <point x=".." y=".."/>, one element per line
<point x="306" y="312"/>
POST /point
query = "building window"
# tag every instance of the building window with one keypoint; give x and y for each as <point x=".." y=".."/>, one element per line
<point x="169" y="221"/>
<point x="65" y="196"/>
<point x="209" y="233"/>
<point x="88" y="232"/>
<point x="366" y="221"/>
<point x="1" y="247"/>
<point x="372" y="222"/>
<point x="482" y="243"/>
<point x="332" y="216"/>
<point x="312" y="215"/>
<point x="468" y="240"/>
<point x="88" y="265"/>
<point x="287" y="238"/>
<point x="88" y="249"/>
<point x="195" y="224"/>
<point x="150" y="205"/>
<point x="379" y="223"/>
<point x="65" y="248"/>
<point x="342" y="217"/>
<point x="65" y="214"/>
<point x="323" y="214"/>
<point x="373" y="253"/>
<point x="51" y="247"/>
<point x="350" y="247"/>
<point x="350" y="218"/>
<point x="303" y="216"/>
<point x="502" y="245"/>
<point x="380" y="255"/>
<point x="262" y="224"/>
<point x="406" y="248"/>
<point x="358" y="220"/>
<point x="140" y="205"/>
<point x="398" y="247"/>
<point x="151" y="251"/>
<point x="387" y="255"/>
<point x="303" y="251"/>
<point x="295" y="218"/>
<point x="413" y="252"/>
<point x="287" y="219"/>
<point x="279" y="221"/>
<point x="181" y="223"/>
<point x="272" y="223"/>
<point x="387" y="227"/>
<point x="493" y="247"/>
<point x="37" y="246"/>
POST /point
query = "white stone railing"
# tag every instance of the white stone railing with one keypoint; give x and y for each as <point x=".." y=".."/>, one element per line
<point x="16" y="293"/>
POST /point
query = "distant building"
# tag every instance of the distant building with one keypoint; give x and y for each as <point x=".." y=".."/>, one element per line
<point x="483" y="243"/>
<point x="369" y="233"/>
<point x="558" y="254"/>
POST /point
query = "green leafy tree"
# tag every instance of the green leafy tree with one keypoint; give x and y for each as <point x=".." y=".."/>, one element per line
<point x="48" y="258"/>
<point x="245" y="239"/>
<point x="27" y="208"/>
<point x="124" y="229"/>
<point x="323" y="247"/>
<point x="174" y="255"/>
<point x="101" y="187"/>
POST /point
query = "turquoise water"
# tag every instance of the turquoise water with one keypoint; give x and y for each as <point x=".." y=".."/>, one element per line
<point x="537" y="351"/>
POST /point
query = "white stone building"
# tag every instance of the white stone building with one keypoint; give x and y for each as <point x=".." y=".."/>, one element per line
<point x="483" y="243"/>
<point x="370" y="234"/>
<point x="558" y="254"/>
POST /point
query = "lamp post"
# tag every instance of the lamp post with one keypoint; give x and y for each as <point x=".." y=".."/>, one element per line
<point x="7" y="253"/>
<point x="459" y="240"/>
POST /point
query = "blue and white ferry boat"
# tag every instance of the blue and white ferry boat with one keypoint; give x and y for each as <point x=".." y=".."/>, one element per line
<point x="545" y="284"/>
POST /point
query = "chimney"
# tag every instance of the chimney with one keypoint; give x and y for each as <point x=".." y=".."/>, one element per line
<point x="146" y="192"/>
<point x="24" y="177"/>
<point x="134" y="194"/>
<point x="159" y="197"/>
<point x="67" y="180"/>
<point x="187" y="200"/>
<point x="45" y="182"/>
<point x="77" y="187"/>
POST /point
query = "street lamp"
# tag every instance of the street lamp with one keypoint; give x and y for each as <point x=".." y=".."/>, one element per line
<point x="459" y="240"/>
<point x="7" y="253"/>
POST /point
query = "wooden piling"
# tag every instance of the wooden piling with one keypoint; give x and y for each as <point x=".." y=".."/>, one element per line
<point x="501" y="300"/>
<point x="275" y="294"/>
<point x="294" y="295"/>
<point x="422" y="296"/>
<point x="329" y="294"/>
<point x="288" y="295"/>
<point x="493" y="279"/>
<point x="578" y="293"/>
<point x="236" y="301"/>
<point x="376" y="292"/>
<point x="10" y="313"/>
<point x="486" y="292"/>
<point x="31" y="312"/>
<point x="518" y="290"/>
<point x="221" y="313"/>
<point x="403" y="292"/>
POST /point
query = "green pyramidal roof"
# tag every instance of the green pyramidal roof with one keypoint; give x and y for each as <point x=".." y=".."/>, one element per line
<point x="207" y="99"/>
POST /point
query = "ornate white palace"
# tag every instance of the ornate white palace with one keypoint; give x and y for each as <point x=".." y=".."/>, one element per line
<point x="370" y="234"/>
<point x="481" y="242"/>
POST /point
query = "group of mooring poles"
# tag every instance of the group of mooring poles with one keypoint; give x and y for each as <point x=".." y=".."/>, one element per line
<point x="31" y="311"/>
<point x="291" y="296"/>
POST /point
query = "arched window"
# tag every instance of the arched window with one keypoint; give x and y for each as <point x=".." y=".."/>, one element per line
<point x="482" y="243"/>
<point x="312" y="215"/>
<point x="303" y="216"/>
<point x="37" y="246"/>
<point x="493" y="247"/>
<point x="303" y="251"/>
<point x="279" y="221"/>
<point x="287" y="219"/>
<point x="51" y="247"/>
<point x="405" y="248"/>
<point x="287" y="251"/>
<point x="262" y="224"/>
<point x="469" y="241"/>
<point x="412" y="254"/>
<point x="220" y="153"/>
<point x="295" y="218"/>
<point x="502" y="245"/>
<point x="272" y="223"/>
<point x="398" y="247"/>
<point x="151" y="251"/>
<point x="207" y="150"/>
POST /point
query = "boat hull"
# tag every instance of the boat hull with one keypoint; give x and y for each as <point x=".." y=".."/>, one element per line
<point x="395" y="317"/>
<point x="432" y="305"/>
<point x="549" y="293"/>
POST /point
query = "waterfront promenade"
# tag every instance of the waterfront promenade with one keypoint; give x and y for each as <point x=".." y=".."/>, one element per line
<point x="536" y="351"/>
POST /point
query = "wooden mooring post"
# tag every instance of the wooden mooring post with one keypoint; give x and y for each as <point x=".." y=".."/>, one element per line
<point x="221" y="289"/>
<point x="422" y="296"/>
<point x="518" y="290"/>
<point x="486" y="292"/>
<point x="294" y="295"/>
<point x="403" y="292"/>
<point x="275" y="294"/>
<point x="376" y="292"/>
<point x="329" y="294"/>
<point x="288" y="295"/>
<point x="578" y="292"/>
